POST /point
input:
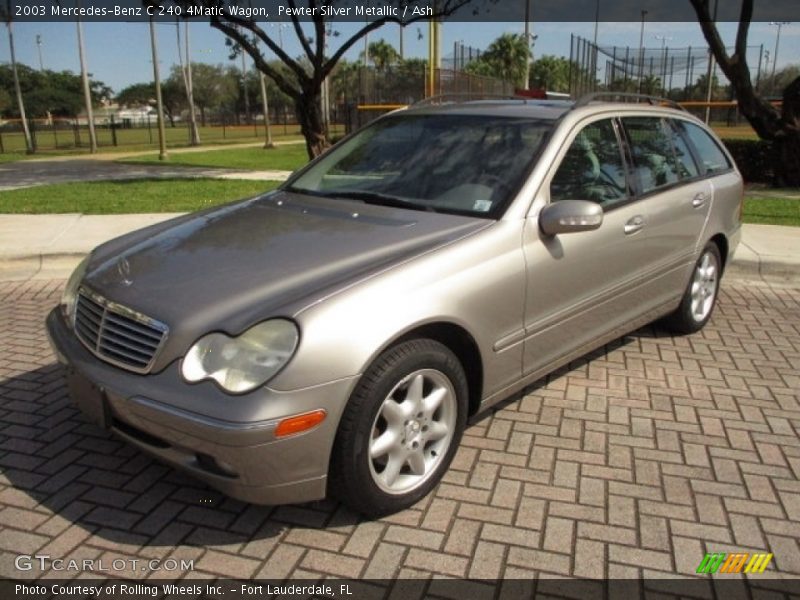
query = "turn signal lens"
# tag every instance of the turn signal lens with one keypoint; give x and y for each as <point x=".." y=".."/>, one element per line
<point x="300" y="423"/>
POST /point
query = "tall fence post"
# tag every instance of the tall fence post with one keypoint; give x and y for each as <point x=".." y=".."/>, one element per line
<point x="571" y="59"/>
<point x="113" y="131"/>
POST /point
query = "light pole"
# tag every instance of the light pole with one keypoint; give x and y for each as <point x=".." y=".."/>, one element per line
<point x="186" y="71"/>
<point x="641" y="51"/>
<point x="778" y="24"/>
<point x="244" y="88"/>
<point x="39" y="49"/>
<point x="17" y="89"/>
<point x="594" y="40"/>
<point x="265" y="104"/>
<point x="525" y="84"/>
<point x="280" y="27"/>
<point x="87" y="96"/>
<point x="195" y="132"/>
<point x="664" y="39"/>
<point x="162" y="134"/>
<point x="710" y="75"/>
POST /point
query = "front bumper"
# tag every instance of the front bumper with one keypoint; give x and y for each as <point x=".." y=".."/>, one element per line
<point x="241" y="457"/>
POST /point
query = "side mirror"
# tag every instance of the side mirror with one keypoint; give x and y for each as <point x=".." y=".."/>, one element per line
<point x="568" y="216"/>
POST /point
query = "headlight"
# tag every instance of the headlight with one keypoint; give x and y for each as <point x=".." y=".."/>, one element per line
<point x="70" y="296"/>
<point x="245" y="362"/>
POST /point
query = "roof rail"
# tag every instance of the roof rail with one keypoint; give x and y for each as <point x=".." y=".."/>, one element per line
<point x="623" y="96"/>
<point x="456" y="98"/>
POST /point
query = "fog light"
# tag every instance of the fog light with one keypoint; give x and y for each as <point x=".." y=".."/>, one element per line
<point x="300" y="423"/>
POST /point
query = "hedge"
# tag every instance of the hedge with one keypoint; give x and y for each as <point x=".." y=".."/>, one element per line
<point x="755" y="159"/>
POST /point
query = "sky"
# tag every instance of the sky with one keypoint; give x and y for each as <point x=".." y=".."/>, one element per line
<point x="118" y="54"/>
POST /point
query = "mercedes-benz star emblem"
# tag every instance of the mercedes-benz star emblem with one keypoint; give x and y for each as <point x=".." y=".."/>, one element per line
<point x="124" y="269"/>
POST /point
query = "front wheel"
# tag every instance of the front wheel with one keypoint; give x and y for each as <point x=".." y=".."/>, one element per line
<point x="400" y="429"/>
<point x="700" y="295"/>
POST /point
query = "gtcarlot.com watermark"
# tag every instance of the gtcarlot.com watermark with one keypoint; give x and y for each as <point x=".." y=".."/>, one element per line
<point x="45" y="562"/>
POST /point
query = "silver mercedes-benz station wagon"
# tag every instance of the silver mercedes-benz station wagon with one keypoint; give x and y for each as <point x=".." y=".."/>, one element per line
<point x="333" y="336"/>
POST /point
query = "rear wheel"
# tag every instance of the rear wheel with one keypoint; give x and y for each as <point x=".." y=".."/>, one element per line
<point x="400" y="429"/>
<point x="700" y="295"/>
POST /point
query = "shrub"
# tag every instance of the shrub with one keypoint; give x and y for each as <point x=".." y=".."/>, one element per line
<point x="755" y="159"/>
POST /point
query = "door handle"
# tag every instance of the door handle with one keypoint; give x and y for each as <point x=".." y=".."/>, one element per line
<point x="634" y="224"/>
<point x="699" y="200"/>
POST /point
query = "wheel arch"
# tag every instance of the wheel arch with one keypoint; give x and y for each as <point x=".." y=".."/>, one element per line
<point x="722" y="245"/>
<point x="461" y="343"/>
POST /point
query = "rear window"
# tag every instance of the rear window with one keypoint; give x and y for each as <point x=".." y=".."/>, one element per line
<point x="712" y="158"/>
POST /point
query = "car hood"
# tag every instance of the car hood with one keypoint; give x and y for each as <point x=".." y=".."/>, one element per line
<point x="227" y="268"/>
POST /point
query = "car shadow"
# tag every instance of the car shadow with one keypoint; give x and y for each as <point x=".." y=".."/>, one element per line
<point x="652" y="331"/>
<point x="56" y="460"/>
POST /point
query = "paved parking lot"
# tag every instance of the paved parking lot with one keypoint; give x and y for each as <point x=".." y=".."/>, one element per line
<point x="636" y="461"/>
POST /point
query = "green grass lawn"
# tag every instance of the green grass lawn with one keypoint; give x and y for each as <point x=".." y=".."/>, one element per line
<point x="63" y="141"/>
<point x="7" y="158"/>
<point x="280" y="158"/>
<point x="772" y="211"/>
<point x="130" y="196"/>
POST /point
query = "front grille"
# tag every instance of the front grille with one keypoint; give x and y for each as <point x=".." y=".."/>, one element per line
<point x="117" y="334"/>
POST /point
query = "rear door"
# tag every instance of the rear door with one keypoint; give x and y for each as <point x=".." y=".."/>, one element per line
<point x="678" y="199"/>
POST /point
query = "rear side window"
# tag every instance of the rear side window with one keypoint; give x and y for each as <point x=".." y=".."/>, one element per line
<point x="686" y="164"/>
<point x="654" y="157"/>
<point x="712" y="158"/>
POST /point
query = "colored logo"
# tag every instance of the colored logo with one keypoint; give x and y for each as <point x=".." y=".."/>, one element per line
<point x="741" y="562"/>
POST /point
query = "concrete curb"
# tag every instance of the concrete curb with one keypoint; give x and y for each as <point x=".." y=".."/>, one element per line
<point x="39" y="266"/>
<point x="764" y="269"/>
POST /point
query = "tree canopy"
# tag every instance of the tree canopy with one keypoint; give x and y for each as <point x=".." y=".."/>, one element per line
<point x="58" y="92"/>
<point x="505" y="58"/>
<point x="303" y="78"/>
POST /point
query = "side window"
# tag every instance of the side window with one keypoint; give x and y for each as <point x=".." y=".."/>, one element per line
<point x="654" y="157"/>
<point x="712" y="158"/>
<point x="592" y="169"/>
<point x="686" y="166"/>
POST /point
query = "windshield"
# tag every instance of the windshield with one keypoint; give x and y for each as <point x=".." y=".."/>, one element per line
<point x="463" y="164"/>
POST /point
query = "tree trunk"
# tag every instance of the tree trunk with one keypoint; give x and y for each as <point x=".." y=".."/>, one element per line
<point x="202" y="116"/>
<point x="312" y="125"/>
<point x="787" y="141"/>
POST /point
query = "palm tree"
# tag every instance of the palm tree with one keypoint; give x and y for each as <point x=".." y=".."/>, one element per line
<point x="382" y="54"/>
<point x="505" y="58"/>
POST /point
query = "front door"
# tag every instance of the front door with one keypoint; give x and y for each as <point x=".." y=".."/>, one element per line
<point x="582" y="285"/>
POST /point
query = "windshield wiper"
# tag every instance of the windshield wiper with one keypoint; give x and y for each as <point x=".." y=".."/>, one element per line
<point x="378" y="199"/>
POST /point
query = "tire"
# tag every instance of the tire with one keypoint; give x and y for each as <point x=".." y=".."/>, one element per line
<point x="400" y="428"/>
<point x="701" y="294"/>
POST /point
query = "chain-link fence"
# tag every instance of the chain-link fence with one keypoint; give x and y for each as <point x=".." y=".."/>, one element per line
<point x="678" y="73"/>
<point x="462" y="55"/>
<point x="140" y="133"/>
<point x="378" y="91"/>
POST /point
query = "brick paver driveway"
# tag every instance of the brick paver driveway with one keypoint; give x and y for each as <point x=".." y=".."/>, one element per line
<point x="636" y="461"/>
